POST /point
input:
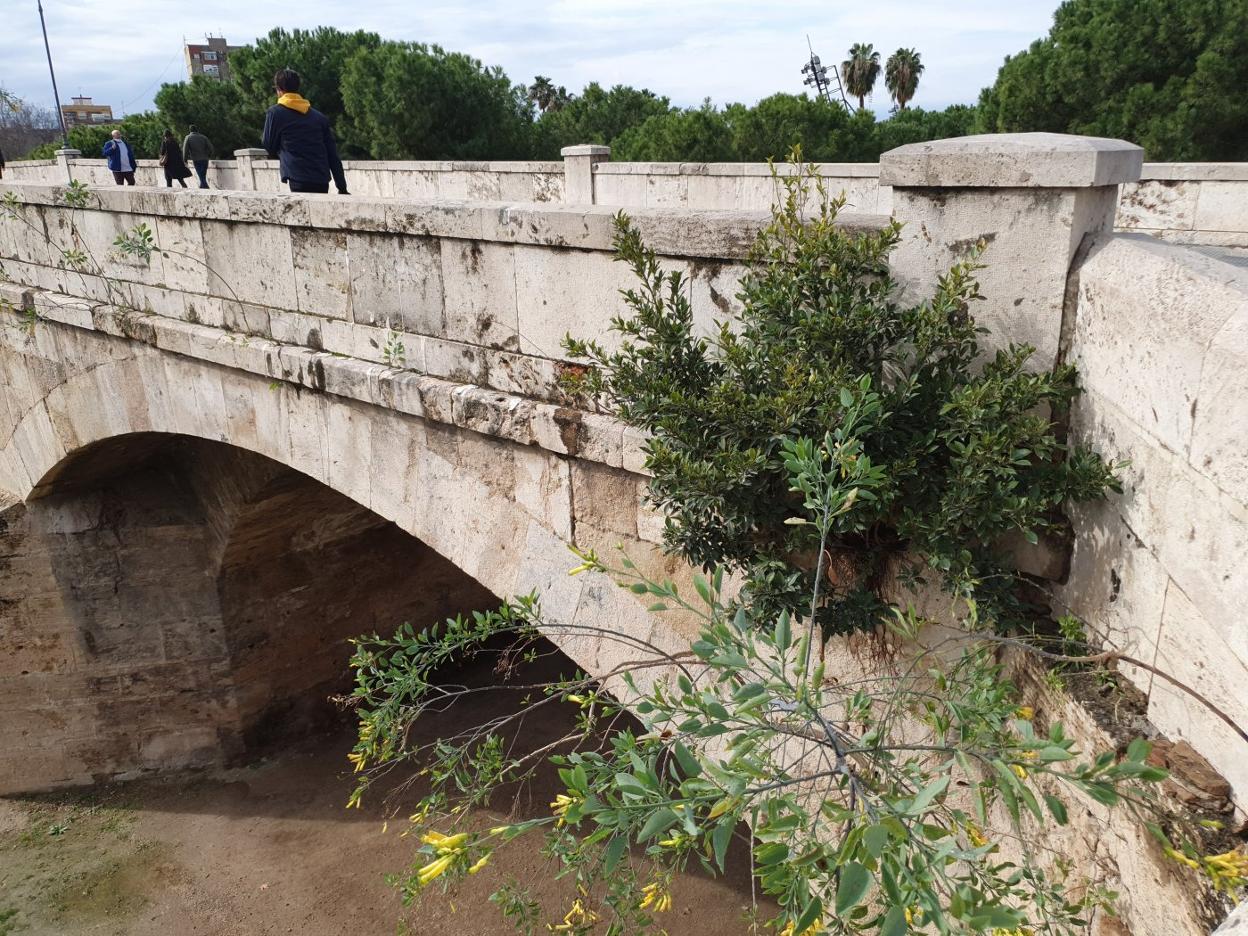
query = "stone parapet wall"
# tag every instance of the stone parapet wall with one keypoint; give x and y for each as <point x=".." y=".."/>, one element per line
<point x="1202" y="203"/>
<point x="480" y="293"/>
<point x="1160" y="338"/>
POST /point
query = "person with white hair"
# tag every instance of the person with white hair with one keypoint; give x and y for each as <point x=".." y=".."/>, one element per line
<point x="120" y="159"/>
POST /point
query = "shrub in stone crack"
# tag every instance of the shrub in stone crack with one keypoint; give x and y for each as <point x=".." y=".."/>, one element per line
<point x="958" y="449"/>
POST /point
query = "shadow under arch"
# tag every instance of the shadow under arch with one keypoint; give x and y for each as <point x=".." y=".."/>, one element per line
<point x="179" y="602"/>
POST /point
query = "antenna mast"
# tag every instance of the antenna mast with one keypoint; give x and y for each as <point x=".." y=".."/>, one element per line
<point x="817" y="77"/>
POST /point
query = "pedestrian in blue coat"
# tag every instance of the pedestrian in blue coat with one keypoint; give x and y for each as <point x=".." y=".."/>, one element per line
<point x="120" y="159"/>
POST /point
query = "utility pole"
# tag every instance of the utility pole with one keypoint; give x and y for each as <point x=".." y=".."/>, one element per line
<point x="56" y="95"/>
<point x="817" y="77"/>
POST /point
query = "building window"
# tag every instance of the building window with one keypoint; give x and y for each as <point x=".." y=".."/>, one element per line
<point x="212" y="70"/>
<point x="210" y="56"/>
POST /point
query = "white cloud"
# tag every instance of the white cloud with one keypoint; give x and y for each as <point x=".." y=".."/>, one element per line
<point x="118" y="51"/>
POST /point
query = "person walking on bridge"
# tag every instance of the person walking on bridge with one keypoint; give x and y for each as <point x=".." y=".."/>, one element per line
<point x="197" y="150"/>
<point x="300" y="138"/>
<point x="172" y="162"/>
<point x="120" y="159"/>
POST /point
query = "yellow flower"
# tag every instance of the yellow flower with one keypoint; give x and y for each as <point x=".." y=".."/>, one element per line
<point x="561" y="804"/>
<point x="445" y="844"/>
<point x="914" y="916"/>
<point x="434" y="870"/>
<point x="1228" y="871"/>
<point x="359" y="759"/>
<point x="976" y="835"/>
<point x="1183" y="859"/>
<point x="657" y="897"/>
<point x="479" y="863"/>
<point x="577" y="916"/>
<point x="1019" y="771"/>
<point x="813" y="930"/>
<point x="1025" y="712"/>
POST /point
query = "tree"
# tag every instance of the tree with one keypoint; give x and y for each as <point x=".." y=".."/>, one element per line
<point x="901" y="75"/>
<point x="411" y="101"/>
<point x="698" y="134"/>
<point x="546" y="96"/>
<point x="596" y="115"/>
<point x="215" y="107"/>
<point x="1169" y="76"/>
<point x="24" y="126"/>
<point x="320" y="56"/>
<point x="860" y="71"/>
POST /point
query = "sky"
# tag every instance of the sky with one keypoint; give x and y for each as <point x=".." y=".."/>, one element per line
<point x="120" y="51"/>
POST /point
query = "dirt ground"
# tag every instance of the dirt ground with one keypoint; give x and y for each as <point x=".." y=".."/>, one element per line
<point x="270" y="849"/>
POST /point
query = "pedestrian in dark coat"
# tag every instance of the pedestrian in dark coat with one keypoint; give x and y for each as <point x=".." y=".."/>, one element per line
<point x="300" y="138"/>
<point x="197" y="150"/>
<point x="172" y="161"/>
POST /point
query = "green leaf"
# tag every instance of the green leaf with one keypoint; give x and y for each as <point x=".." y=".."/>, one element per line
<point x="720" y="840"/>
<point x="995" y="918"/>
<point x="894" y="922"/>
<point x="810" y="915"/>
<point x="615" y="851"/>
<point x="1138" y="750"/>
<point x="688" y="763"/>
<point x="1056" y="807"/>
<point x="660" y="821"/>
<point x="927" y="794"/>
<point x="855" y="882"/>
<point x="876" y="839"/>
<point x="847" y="398"/>
<point x="783" y="636"/>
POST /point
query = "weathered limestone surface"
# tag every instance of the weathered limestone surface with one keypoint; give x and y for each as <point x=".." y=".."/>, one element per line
<point x="405" y="354"/>
<point x="1028" y="198"/>
<point x="1161" y="342"/>
<point x="1203" y="203"/>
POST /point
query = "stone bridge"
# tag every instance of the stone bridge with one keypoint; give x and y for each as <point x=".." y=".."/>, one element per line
<point x="305" y="417"/>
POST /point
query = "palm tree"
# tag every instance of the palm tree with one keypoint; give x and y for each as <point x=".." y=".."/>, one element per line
<point x="541" y="92"/>
<point x="860" y="70"/>
<point x="546" y="96"/>
<point x="901" y="74"/>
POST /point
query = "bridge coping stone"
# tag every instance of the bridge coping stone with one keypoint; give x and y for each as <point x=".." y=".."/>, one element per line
<point x="1013" y="160"/>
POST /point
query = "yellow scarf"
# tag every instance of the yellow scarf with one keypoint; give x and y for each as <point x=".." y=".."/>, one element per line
<point x="295" y="102"/>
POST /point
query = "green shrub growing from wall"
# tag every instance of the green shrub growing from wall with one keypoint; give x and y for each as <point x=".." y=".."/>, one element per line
<point x="958" y="448"/>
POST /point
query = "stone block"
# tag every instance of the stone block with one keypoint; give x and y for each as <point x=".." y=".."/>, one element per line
<point x="322" y="273"/>
<point x="350" y="447"/>
<point x="1194" y="651"/>
<point x="562" y="291"/>
<point x="1013" y="160"/>
<point x="181" y="243"/>
<point x="1031" y="236"/>
<point x="396" y="282"/>
<point x="1220" y="424"/>
<point x="479" y="285"/>
<point x="1157" y="204"/>
<point x="543" y="487"/>
<point x="1222" y="206"/>
<point x="605" y="498"/>
<point x="252" y="262"/>
<point x="454" y="361"/>
<point x="1150" y="308"/>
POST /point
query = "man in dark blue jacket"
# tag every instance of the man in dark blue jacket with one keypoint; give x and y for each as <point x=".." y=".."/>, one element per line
<point x="300" y="138"/>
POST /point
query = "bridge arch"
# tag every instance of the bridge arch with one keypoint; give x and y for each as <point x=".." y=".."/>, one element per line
<point x="235" y="458"/>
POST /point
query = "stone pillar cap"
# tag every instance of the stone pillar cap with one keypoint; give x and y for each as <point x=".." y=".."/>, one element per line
<point x="68" y="152"/>
<point x="252" y="151"/>
<point x="586" y="149"/>
<point x="1013" y="160"/>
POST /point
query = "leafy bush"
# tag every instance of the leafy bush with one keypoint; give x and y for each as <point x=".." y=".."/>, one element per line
<point x="873" y="803"/>
<point x="953" y="451"/>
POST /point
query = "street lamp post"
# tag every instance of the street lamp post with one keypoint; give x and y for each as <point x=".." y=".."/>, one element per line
<point x="56" y="95"/>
